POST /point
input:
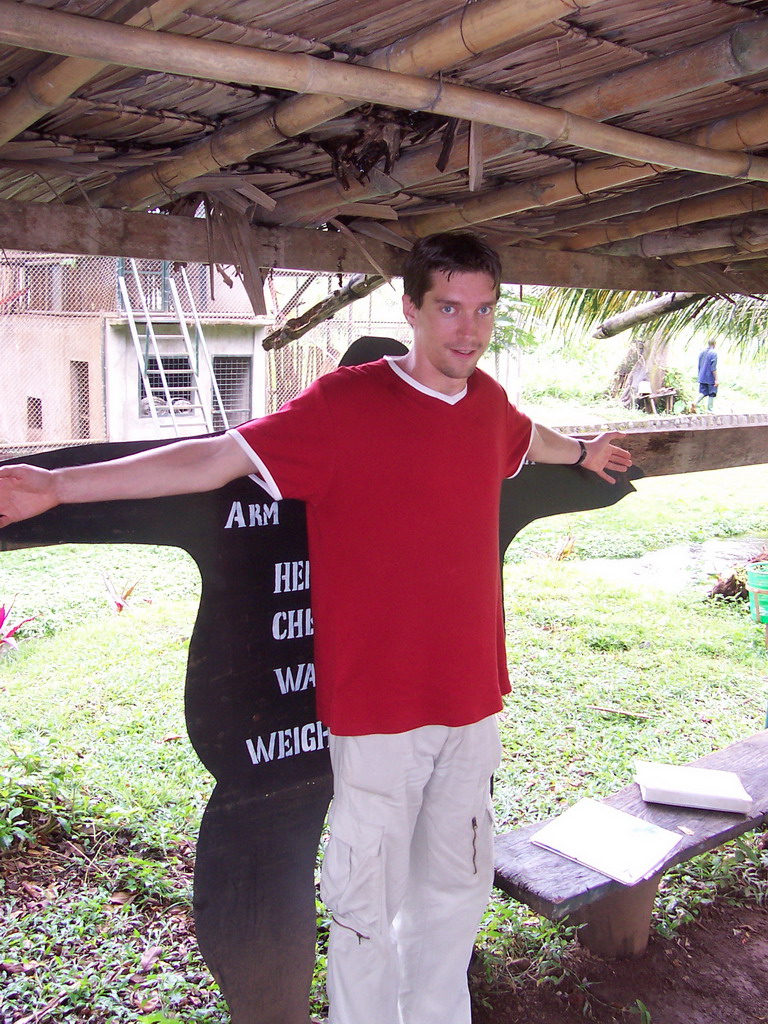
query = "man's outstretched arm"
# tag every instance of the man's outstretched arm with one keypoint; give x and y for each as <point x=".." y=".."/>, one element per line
<point x="185" y="467"/>
<point x="560" y="449"/>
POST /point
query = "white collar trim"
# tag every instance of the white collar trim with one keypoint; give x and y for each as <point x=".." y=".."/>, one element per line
<point x="449" y="399"/>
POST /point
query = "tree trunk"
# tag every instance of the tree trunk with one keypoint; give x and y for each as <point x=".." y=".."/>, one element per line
<point x="358" y="287"/>
<point x="646" y="311"/>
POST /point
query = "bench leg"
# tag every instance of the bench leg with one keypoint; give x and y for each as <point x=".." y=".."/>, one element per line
<point x="617" y="926"/>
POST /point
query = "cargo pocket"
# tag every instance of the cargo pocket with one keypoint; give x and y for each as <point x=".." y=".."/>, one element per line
<point x="351" y="884"/>
<point x="482" y="839"/>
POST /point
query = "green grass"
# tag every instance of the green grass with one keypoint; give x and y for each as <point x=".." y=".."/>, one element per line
<point x="94" y="751"/>
<point x="93" y="746"/>
<point x="663" y="511"/>
<point x="684" y="676"/>
<point x="106" y="699"/>
<point x="66" y="586"/>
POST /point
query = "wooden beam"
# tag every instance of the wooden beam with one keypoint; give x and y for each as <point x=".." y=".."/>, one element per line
<point x="697" y="448"/>
<point x="52" y="227"/>
<point x="476" y="157"/>
<point x="73" y="35"/>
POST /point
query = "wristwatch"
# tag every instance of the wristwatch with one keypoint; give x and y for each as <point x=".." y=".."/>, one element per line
<point x="582" y="453"/>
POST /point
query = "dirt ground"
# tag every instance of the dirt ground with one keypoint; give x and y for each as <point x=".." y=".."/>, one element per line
<point x="715" y="971"/>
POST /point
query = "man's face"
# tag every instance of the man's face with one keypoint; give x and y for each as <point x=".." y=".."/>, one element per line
<point x="451" y="329"/>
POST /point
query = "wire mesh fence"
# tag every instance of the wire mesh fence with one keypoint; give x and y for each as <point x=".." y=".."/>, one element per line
<point x="56" y="314"/>
<point x="51" y="349"/>
<point x="292" y="368"/>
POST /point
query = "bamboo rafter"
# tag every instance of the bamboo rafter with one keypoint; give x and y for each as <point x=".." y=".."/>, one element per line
<point x="751" y="127"/>
<point x="748" y="234"/>
<point x="46" y="88"/>
<point x="443" y="44"/>
<point x="747" y="261"/>
<point x="74" y="35"/>
<point x="599" y="210"/>
<point x="736" y="52"/>
<point x="733" y="202"/>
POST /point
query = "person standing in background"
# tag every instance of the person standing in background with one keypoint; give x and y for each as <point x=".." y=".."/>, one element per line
<point x="707" y="376"/>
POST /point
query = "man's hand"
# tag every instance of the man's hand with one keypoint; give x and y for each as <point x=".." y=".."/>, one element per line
<point x="603" y="455"/>
<point x="25" y="491"/>
<point x="551" y="447"/>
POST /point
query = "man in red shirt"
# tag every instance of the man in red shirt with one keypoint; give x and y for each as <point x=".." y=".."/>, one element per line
<point x="400" y="463"/>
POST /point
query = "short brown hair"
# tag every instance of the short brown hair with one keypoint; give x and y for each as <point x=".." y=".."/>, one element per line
<point x="452" y="252"/>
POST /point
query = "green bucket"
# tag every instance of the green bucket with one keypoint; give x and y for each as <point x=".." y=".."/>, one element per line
<point x="757" y="587"/>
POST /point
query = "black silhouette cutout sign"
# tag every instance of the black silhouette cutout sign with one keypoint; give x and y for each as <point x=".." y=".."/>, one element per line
<point x="249" y="702"/>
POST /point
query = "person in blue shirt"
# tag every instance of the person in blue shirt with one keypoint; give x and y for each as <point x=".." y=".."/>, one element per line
<point x="707" y="376"/>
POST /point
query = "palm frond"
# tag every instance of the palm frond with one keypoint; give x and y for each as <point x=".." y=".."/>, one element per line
<point x="739" y="321"/>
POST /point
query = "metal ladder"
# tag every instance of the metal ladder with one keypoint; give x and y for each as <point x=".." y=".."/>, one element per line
<point x="176" y="412"/>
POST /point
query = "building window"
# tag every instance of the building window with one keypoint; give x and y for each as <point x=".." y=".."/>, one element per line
<point x="180" y="386"/>
<point x="80" y="398"/>
<point x="34" y="413"/>
<point x="233" y="375"/>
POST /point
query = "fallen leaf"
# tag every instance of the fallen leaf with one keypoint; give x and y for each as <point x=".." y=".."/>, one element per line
<point x="147" y="1005"/>
<point x="19" y="968"/>
<point x="122" y="897"/>
<point x="151" y="955"/>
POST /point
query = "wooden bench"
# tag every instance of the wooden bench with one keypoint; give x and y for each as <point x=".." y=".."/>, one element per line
<point x="614" y="918"/>
<point x="663" y="400"/>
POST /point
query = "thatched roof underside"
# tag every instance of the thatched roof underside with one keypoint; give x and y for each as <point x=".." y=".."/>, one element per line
<point x="601" y="143"/>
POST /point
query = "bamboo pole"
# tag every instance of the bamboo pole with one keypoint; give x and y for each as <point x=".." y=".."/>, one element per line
<point x="732" y="203"/>
<point x="692" y="259"/>
<point x="737" y="53"/>
<point x="443" y="44"/>
<point x="748" y="234"/>
<point x="49" y="85"/>
<point x="725" y="255"/>
<point x="77" y="36"/>
<point x="753" y="124"/>
<point x="581" y="180"/>
<point x="637" y="201"/>
<point x="742" y="50"/>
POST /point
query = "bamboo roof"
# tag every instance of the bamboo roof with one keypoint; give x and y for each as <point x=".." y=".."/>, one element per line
<point x="602" y="143"/>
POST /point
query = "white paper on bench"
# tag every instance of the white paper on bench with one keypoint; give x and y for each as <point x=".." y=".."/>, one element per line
<point x="611" y="841"/>
<point x="685" y="786"/>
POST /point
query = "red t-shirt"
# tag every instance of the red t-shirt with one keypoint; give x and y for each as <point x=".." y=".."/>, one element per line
<point x="402" y="487"/>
